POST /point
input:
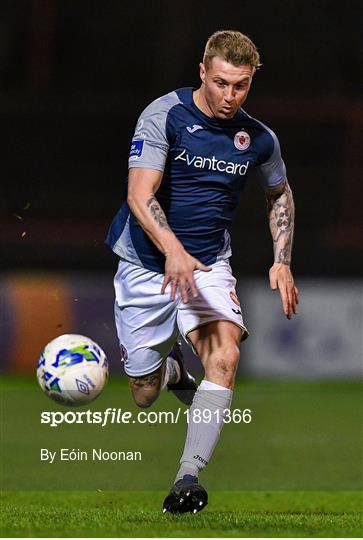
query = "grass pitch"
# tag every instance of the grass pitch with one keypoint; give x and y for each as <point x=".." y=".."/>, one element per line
<point x="294" y="471"/>
<point x="138" y="514"/>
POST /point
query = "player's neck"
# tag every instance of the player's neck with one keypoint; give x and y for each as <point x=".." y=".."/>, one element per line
<point x="201" y="103"/>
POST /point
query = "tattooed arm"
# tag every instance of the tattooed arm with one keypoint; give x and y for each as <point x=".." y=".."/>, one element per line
<point x="281" y="214"/>
<point x="179" y="265"/>
<point x="142" y="185"/>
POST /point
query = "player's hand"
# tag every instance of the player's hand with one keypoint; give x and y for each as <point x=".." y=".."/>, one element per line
<point x="179" y="268"/>
<point x="281" y="278"/>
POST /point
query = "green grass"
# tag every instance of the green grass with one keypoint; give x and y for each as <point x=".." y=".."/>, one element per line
<point x="295" y="470"/>
<point x="138" y="514"/>
<point x="303" y="436"/>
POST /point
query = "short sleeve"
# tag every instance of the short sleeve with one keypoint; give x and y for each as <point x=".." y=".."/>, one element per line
<point x="150" y="145"/>
<point x="273" y="171"/>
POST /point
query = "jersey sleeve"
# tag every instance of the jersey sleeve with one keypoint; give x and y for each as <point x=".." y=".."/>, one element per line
<point x="273" y="171"/>
<point x="150" y="145"/>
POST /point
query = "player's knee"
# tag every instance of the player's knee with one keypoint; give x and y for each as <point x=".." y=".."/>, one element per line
<point x="226" y="359"/>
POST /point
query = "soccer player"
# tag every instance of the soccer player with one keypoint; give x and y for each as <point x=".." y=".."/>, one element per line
<point x="189" y="160"/>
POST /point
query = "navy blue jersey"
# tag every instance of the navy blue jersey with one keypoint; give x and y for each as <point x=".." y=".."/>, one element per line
<point x="205" y="162"/>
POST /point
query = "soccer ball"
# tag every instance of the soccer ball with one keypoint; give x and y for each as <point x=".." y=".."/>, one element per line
<point x="72" y="369"/>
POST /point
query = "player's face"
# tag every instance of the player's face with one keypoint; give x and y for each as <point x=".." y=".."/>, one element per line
<point x="225" y="86"/>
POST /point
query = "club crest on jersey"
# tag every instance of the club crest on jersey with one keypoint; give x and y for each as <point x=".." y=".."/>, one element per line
<point x="242" y="140"/>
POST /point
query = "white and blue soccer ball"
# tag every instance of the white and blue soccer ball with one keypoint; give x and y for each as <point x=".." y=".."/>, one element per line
<point x="72" y="369"/>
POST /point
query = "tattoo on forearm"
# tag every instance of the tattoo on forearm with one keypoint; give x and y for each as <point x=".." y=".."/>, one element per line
<point x="283" y="256"/>
<point x="281" y="214"/>
<point x="157" y="213"/>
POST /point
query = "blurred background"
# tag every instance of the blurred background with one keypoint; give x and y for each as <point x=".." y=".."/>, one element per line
<point x="74" y="77"/>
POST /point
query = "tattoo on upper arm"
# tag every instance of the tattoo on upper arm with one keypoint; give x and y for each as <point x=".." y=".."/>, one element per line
<point x="281" y="216"/>
<point x="157" y="213"/>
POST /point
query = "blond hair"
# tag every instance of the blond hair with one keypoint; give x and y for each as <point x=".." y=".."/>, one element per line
<point x="233" y="47"/>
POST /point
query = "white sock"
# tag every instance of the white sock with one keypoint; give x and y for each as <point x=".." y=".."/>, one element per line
<point x="171" y="373"/>
<point x="203" y="436"/>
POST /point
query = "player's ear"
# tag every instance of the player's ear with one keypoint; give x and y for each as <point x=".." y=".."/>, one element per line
<point x="202" y="71"/>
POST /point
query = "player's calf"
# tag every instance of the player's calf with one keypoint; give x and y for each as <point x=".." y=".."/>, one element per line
<point x="221" y="365"/>
<point x="145" y="390"/>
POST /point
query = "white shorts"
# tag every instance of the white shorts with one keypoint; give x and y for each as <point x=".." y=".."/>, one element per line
<point x="148" y="322"/>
